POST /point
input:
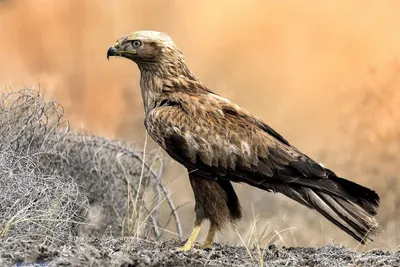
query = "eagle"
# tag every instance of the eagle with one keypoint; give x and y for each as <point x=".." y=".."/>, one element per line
<point x="219" y="142"/>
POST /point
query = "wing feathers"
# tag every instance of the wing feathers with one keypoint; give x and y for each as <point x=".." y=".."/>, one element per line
<point x="223" y="142"/>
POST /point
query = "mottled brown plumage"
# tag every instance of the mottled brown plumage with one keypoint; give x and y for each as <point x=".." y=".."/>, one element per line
<point x="220" y="142"/>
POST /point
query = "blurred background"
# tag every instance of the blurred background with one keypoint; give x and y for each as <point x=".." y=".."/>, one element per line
<point x="324" y="74"/>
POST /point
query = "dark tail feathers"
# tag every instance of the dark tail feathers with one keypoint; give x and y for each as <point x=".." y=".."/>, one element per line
<point x="350" y="206"/>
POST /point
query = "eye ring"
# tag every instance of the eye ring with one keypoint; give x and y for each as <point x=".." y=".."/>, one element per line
<point x="136" y="43"/>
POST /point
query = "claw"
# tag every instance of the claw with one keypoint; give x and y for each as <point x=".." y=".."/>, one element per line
<point x="205" y="246"/>
<point x="208" y="244"/>
<point x="190" y="242"/>
<point x="183" y="248"/>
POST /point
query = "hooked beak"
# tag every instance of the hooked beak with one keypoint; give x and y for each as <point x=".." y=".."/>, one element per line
<point x="112" y="52"/>
<point x="116" y="51"/>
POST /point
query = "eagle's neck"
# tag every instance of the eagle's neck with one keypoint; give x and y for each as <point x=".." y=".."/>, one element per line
<point x="151" y="86"/>
<point x="161" y="78"/>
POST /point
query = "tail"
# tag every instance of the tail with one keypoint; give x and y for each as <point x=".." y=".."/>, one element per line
<point x="350" y="206"/>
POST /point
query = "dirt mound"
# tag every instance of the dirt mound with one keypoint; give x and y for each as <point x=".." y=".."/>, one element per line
<point x="128" y="252"/>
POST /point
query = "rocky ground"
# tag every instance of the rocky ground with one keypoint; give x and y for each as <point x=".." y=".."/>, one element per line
<point x="128" y="252"/>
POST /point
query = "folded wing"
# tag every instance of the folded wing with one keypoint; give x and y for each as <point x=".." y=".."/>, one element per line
<point x="219" y="140"/>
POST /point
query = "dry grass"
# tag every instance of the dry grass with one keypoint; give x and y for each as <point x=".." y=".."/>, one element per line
<point x="58" y="184"/>
<point x="38" y="203"/>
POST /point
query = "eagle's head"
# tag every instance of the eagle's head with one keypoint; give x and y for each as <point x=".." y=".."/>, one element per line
<point x="145" y="47"/>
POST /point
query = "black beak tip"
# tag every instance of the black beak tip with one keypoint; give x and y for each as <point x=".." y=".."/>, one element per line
<point x="111" y="52"/>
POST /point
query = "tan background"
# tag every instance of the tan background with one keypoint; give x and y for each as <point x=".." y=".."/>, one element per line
<point x="322" y="73"/>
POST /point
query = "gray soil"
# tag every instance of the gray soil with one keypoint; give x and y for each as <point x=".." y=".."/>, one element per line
<point x="128" y="252"/>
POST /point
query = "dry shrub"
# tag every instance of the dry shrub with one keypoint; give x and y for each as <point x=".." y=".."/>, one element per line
<point x="36" y="206"/>
<point x="53" y="179"/>
<point x="37" y="203"/>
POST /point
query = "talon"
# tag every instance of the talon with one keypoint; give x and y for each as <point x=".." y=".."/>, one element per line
<point x="190" y="242"/>
<point x="206" y="246"/>
<point x="183" y="248"/>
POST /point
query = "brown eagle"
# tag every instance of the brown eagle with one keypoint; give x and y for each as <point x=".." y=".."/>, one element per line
<point x="219" y="143"/>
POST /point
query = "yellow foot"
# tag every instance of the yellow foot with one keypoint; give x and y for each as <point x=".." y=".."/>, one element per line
<point x="208" y="244"/>
<point x="190" y="242"/>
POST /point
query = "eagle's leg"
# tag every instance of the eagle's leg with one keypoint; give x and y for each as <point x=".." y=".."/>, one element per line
<point x="210" y="237"/>
<point x="217" y="202"/>
<point x="192" y="238"/>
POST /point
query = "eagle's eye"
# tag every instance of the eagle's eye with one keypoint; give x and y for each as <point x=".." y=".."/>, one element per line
<point x="136" y="43"/>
